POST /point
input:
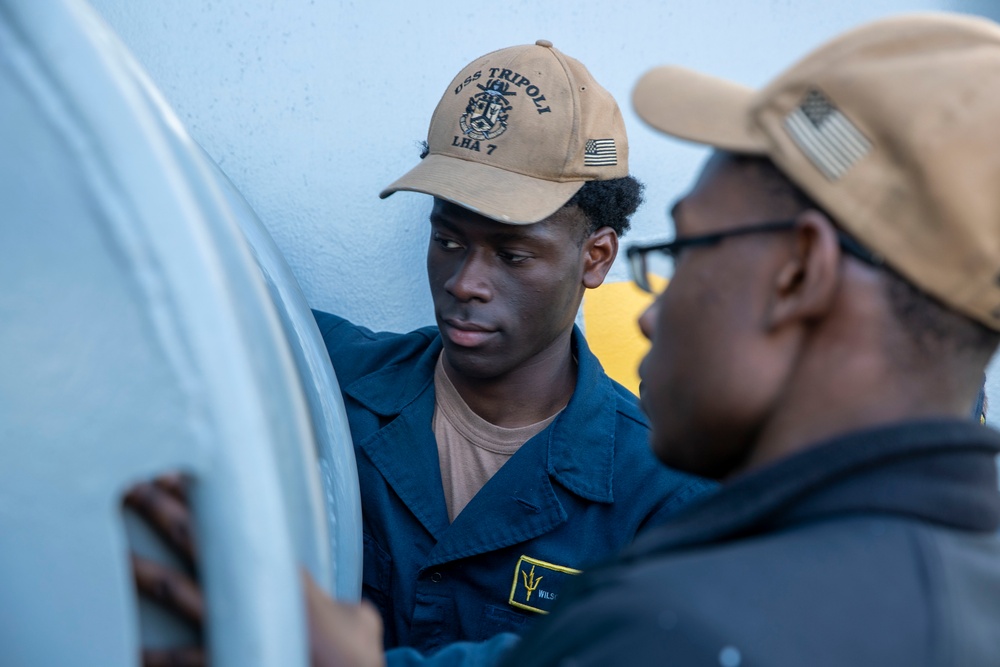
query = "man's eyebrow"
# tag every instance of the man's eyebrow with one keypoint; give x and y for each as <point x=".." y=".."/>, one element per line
<point x="515" y="233"/>
<point x="442" y="221"/>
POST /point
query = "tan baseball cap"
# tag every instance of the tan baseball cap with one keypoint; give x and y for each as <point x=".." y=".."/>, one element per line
<point x="894" y="128"/>
<point x="517" y="134"/>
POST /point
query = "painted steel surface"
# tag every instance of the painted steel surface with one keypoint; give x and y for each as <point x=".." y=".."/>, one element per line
<point x="138" y="337"/>
<point x="334" y="448"/>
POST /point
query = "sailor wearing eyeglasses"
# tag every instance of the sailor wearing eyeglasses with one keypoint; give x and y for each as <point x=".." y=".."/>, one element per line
<point x="832" y="305"/>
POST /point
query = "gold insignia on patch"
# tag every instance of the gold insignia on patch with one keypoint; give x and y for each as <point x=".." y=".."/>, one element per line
<point x="527" y="591"/>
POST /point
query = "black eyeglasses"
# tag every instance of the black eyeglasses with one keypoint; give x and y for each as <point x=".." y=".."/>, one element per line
<point x="658" y="259"/>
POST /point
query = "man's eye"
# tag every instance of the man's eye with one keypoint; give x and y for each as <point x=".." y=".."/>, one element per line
<point x="447" y="244"/>
<point x="512" y="257"/>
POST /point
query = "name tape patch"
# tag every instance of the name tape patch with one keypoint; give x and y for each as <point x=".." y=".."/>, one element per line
<point x="537" y="584"/>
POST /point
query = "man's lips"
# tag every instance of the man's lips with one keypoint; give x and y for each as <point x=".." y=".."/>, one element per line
<point x="467" y="334"/>
<point x="642" y="385"/>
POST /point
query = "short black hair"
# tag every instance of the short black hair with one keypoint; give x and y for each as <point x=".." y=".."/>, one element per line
<point x="930" y="325"/>
<point x="609" y="203"/>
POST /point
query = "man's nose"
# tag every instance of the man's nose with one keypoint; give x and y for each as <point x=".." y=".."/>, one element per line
<point x="470" y="281"/>
<point x="647" y="321"/>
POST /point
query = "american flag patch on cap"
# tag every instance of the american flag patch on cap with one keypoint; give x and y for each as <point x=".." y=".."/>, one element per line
<point x="600" y="153"/>
<point x="827" y="137"/>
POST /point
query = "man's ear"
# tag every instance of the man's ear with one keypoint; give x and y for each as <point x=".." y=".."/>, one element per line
<point x="805" y="285"/>
<point x="599" y="252"/>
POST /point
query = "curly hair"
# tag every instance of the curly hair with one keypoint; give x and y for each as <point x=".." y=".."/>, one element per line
<point x="609" y="203"/>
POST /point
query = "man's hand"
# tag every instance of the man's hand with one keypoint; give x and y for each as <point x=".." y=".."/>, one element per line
<point x="163" y="505"/>
<point x="341" y="635"/>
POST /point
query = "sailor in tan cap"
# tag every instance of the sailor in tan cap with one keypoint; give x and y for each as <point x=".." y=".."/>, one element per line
<point x="834" y="298"/>
<point x="496" y="458"/>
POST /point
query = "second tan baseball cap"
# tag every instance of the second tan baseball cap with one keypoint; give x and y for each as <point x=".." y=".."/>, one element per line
<point x="894" y="128"/>
<point x="517" y="134"/>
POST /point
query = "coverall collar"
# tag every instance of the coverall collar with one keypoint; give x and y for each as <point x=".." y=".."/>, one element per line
<point x="580" y="451"/>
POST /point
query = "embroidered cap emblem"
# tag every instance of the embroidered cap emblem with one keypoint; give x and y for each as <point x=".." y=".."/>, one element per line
<point x="486" y="114"/>
<point x="827" y="137"/>
<point x="600" y="153"/>
<point x="527" y="591"/>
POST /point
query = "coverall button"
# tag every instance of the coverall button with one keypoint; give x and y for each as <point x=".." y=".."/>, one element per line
<point x="436" y="577"/>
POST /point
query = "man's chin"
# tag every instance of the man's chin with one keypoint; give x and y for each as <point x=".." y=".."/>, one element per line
<point x="684" y="459"/>
<point x="473" y="364"/>
<point x="662" y="450"/>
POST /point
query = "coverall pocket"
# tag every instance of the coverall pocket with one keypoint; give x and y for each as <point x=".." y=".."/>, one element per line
<point x="497" y="619"/>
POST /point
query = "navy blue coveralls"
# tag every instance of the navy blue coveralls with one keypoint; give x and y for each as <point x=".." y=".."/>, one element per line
<point x="573" y="495"/>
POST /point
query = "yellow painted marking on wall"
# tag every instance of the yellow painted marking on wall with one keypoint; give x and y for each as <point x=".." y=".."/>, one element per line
<point x="611" y="318"/>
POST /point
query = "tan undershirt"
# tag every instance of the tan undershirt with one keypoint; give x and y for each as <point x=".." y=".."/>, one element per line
<point x="470" y="449"/>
